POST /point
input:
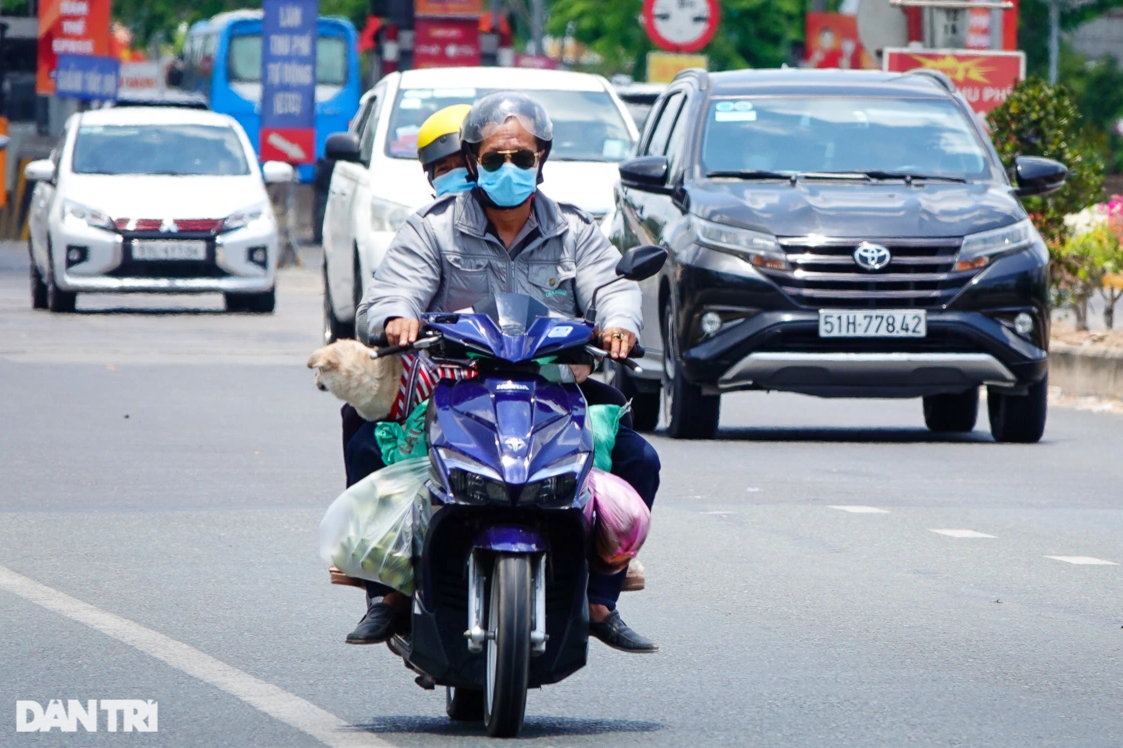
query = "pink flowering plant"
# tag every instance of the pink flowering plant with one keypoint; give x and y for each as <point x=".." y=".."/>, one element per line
<point x="1089" y="260"/>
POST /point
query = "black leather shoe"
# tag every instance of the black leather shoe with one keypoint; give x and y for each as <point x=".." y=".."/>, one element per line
<point x="376" y="626"/>
<point x="616" y="634"/>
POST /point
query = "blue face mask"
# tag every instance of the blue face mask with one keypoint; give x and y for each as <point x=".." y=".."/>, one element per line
<point x="508" y="185"/>
<point x="452" y="181"/>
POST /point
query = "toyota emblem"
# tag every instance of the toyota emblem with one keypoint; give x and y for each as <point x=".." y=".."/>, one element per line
<point x="871" y="256"/>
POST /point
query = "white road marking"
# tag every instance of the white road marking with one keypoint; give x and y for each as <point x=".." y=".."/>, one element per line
<point x="1085" y="560"/>
<point x="963" y="534"/>
<point x="858" y="509"/>
<point x="265" y="697"/>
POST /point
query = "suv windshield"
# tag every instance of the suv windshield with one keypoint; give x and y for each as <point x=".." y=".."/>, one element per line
<point x="837" y="134"/>
<point x="178" y="150"/>
<point x="587" y="124"/>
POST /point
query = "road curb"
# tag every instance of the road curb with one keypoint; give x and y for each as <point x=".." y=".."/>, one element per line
<point x="1079" y="370"/>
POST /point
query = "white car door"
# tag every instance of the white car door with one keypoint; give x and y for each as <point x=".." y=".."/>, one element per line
<point x="338" y="241"/>
<point x="39" y="213"/>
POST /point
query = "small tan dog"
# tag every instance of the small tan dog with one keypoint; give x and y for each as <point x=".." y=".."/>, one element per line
<point x="346" y="370"/>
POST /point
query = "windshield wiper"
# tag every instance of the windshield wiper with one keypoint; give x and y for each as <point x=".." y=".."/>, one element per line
<point x="789" y="176"/>
<point x="906" y="176"/>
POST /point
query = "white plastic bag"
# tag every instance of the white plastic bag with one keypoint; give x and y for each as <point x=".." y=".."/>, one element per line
<point x="368" y="530"/>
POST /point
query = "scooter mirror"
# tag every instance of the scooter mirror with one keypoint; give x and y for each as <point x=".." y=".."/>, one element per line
<point x="642" y="262"/>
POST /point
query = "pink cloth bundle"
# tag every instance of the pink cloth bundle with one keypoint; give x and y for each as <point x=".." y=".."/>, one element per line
<point x="620" y="519"/>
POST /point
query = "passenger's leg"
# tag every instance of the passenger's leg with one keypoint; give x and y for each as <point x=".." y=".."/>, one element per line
<point x="637" y="462"/>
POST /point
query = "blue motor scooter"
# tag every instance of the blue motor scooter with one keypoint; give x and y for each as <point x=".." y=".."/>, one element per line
<point x="500" y="549"/>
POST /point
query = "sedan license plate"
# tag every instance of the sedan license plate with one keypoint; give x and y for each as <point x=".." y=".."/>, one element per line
<point x="880" y="323"/>
<point x="169" y="249"/>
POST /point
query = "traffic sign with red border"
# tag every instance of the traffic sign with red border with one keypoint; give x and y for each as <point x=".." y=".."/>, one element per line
<point x="681" y="25"/>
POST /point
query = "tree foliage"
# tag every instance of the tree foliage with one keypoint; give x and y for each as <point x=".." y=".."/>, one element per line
<point x="1042" y="120"/>
<point x="752" y="33"/>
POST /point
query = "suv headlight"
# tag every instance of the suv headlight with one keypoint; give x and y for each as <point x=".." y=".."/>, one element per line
<point x="244" y="218"/>
<point x="386" y="215"/>
<point x="979" y="250"/>
<point x="761" y="250"/>
<point x="88" y="216"/>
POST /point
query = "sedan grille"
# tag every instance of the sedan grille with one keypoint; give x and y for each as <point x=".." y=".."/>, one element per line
<point x="824" y="274"/>
<point x="193" y="225"/>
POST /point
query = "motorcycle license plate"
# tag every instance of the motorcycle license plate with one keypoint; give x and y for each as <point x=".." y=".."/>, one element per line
<point x="169" y="249"/>
<point x="871" y="323"/>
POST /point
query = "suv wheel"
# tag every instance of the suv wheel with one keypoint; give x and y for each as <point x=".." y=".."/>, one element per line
<point x="689" y="413"/>
<point x="333" y="328"/>
<point x="955" y="413"/>
<point x="645" y="405"/>
<point x="1019" y="419"/>
<point x="38" y="287"/>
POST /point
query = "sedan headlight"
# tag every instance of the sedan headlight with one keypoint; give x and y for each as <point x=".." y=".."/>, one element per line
<point x="386" y="215"/>
<point x="88" y="216"/>
<point x="760" y="249"/>
<point x="979" y="250"/>
<point x="244" y="218"/>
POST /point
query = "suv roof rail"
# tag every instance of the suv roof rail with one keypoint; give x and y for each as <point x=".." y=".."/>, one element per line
<point x="698" y="73"/>
<point x="936" y="76"/>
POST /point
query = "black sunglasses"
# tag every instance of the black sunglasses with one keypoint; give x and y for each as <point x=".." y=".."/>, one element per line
<point x="523" y="158"/>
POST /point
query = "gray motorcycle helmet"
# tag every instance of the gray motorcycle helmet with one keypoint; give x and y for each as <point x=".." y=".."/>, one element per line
<point x="493" y="109"/>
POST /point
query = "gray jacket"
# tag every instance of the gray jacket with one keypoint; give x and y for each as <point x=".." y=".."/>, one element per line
<point x="443" y="260"/>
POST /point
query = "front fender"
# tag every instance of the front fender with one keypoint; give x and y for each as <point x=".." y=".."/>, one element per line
<point x="510" y="539"/>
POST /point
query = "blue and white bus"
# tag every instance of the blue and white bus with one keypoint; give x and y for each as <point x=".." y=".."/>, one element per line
<point x="222" y="61"/>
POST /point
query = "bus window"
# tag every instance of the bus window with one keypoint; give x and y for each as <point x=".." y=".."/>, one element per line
<point x="244" y="60"/>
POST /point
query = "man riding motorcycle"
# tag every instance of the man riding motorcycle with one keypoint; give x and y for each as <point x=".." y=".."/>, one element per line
<point x="504" y="236"/>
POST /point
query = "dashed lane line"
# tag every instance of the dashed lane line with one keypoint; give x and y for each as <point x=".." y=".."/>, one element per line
<point x="963" y="534"/>
<point x="265" y="697"/>
<point x="1083" y="560"/>
<point x="858" y="509"/>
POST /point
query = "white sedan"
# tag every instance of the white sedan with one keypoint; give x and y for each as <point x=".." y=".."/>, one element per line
<point x="153" y="200"/>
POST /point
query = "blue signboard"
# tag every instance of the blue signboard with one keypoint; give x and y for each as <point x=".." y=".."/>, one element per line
<point x="87" y="77"/>
<point x="288" y="81"/>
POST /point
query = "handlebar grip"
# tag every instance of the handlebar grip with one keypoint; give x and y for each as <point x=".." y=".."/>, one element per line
<point x="380" y="341"/>
<point x="638" y="351"/>
<point x="390" y="350"/>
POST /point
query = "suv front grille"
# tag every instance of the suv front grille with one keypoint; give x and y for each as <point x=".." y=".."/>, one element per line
<point x="824" y="274"/>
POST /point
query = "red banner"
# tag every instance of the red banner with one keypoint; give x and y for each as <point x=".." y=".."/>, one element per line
<point x="984" y="78"/>
<point x="446" y="42"/>
<point x="832" y="42"/>
<point x="69" y="27"/>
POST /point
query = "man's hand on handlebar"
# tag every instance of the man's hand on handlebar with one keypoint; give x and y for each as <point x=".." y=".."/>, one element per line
<point x="617" y="341"/>
<point x="402" y="331"/>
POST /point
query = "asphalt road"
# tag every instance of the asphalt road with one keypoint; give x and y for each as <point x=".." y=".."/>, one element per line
<point x="164" y="468"/>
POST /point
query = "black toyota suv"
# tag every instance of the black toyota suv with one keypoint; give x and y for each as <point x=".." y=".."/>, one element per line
<point x="840" y="234"/>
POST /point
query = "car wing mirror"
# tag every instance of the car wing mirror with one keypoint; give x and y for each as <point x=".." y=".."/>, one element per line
<point x="343" y="146"/>
<point x="645" y="173"/>
<point x="1038" y="176"/>
<point x="42" y="170"/>
<point x="277" y="172"/>
<point x="642" y="262"/>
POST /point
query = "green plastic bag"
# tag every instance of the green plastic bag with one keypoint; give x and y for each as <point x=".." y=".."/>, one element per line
<point x="403" y="441"/>
<point x="605" y="422"/>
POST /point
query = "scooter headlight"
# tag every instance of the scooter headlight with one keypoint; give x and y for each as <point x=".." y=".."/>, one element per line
<point x="555" y="484"/>
<point x="472" y="481"/>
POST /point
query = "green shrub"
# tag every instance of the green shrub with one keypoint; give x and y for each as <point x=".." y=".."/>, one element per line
<point x="1042" y="120"/>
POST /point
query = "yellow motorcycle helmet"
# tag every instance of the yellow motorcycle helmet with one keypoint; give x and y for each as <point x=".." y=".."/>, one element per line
<point x="439" y="136"/>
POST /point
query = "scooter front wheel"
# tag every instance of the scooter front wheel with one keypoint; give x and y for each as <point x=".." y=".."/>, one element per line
<point x="508" y="645"/>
